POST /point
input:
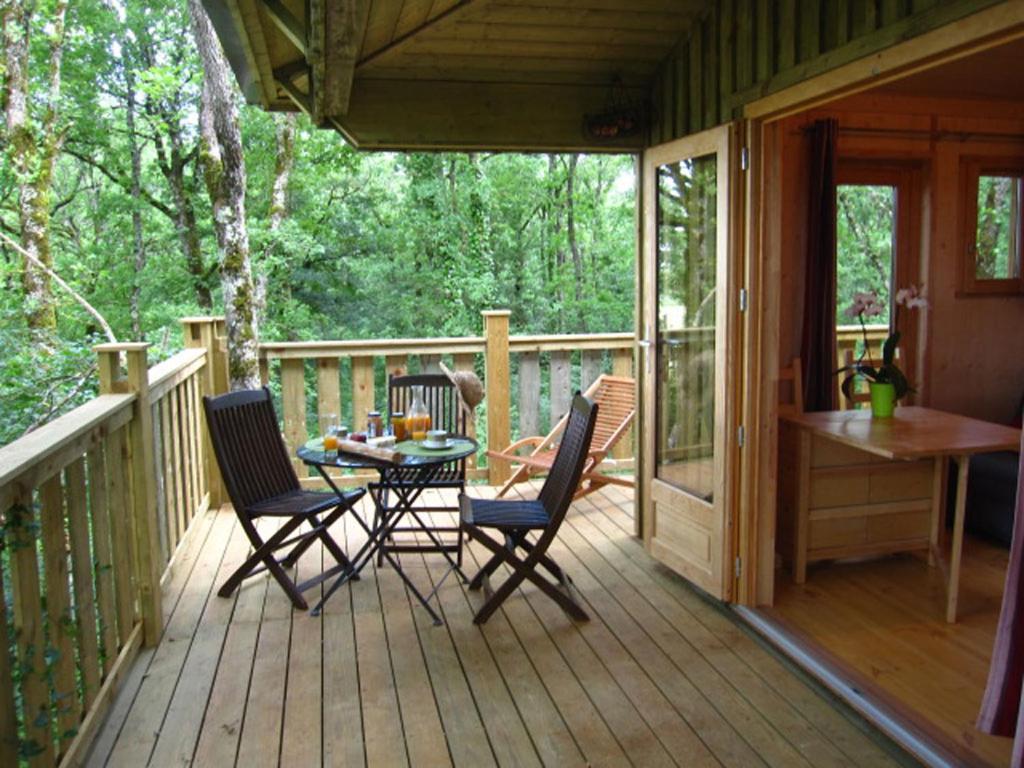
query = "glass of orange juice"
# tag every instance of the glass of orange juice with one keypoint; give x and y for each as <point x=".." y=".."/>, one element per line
<point x="329" y="425"/>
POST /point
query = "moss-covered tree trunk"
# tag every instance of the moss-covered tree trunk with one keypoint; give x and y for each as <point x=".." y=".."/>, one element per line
<point x="33" y="145"/>
<point x="223" y="163"/>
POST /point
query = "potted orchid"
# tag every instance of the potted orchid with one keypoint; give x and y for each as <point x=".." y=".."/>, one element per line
<point x="886" y="382"/>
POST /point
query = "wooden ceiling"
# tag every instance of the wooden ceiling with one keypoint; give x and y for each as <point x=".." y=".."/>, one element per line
<point x="495" y="74"/>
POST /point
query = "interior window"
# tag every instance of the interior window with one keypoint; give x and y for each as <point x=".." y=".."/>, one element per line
<point x="991" y="207"/>
<point x="865" y="254"/>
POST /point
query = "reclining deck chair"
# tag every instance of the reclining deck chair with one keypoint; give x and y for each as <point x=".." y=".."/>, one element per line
<point x="514" y="519"/>
<point x="261" y="482"/>
<point x="615" y="397"/>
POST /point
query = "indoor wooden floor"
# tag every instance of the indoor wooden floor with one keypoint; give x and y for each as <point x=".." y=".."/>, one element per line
<point x="882" y="622"/>
<point x="659" y="676"/>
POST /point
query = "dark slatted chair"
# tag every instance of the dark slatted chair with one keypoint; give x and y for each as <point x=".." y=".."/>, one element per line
<point x="515" y="519"/>
<point x="261" y="482"/>
<point x="441" y="399"/>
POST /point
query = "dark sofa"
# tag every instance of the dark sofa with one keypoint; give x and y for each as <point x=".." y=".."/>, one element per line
<point x="991" y="495"/>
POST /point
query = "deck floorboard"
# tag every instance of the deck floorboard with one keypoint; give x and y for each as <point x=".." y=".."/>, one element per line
<point x="659" y="675"/>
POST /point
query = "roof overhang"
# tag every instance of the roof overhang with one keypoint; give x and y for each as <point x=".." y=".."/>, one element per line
<point x="456" y="74"/>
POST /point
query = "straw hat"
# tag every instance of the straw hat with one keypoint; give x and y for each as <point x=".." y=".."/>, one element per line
<point x="469" y="388"/>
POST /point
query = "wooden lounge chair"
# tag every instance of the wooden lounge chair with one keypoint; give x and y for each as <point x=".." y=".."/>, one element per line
<point x="514" y="519"/>
<point x="261" y="482"/>
<point x="615" y="397"/>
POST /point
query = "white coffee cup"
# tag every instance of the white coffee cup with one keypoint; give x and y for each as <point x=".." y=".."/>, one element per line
<point x="436" y="437"/>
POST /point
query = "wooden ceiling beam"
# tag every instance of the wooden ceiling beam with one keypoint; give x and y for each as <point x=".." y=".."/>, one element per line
<point x="345" y="25"/>
<point x="473" y="116"/>
<point x="285" y="77"/>
<point x="400" y="42"/>
<point x="290" y="26"/>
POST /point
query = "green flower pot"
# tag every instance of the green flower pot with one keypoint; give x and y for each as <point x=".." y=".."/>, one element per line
<point x="883" y="400"/>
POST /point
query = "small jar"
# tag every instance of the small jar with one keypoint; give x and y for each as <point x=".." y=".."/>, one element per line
<point x="398" y="425"/>
<point x="374" y="424"/>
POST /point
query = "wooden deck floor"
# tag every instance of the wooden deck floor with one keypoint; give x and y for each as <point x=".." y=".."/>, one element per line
<point x="881" y="624"/>
<point x="659" y="676"/>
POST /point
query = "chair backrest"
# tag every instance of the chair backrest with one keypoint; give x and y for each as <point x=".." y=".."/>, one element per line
<point x="615" y="397"/>
<point x="439" y="395"/>
<point x="250" y="451"/>
<point x="564" y="477"/>
<point x="794" y="375"/>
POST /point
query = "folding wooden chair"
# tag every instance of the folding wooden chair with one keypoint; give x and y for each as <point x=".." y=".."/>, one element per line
<point x="616" y="398"/>
<point x="261" y="482"/>
<point x="515" y="519"/>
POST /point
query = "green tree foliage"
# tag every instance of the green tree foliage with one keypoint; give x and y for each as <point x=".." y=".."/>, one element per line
<point x="373" y="245"/>
<point x="865" y="232"/>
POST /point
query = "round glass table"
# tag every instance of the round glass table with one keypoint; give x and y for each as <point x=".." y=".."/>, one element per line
<point x="401" y="483"/>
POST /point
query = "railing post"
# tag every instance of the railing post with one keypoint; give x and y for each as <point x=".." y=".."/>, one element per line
<point x="206" y="333"/>
<point x="143" y="474"/>
<point x="497" y="384"/>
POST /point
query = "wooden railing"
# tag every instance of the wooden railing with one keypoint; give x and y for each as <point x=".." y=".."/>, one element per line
<point x="310" y="377"/>
<point x="93" y="507"/>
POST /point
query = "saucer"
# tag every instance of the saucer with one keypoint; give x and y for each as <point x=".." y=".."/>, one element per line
<point x="430" y="446"/>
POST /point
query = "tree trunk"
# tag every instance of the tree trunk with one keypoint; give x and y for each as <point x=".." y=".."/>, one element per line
<point x="574" y="248"/>
<point x="138" y="244"/>
<point x="33" y="152"/>
<point x="284" y="161"/>
<point x="223" y="163"/>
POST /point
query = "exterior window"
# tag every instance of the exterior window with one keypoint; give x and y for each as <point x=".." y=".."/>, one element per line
<point x="991" y="206"/>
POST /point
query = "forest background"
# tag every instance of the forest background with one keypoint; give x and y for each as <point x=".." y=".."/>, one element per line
<point x="343" y="244"/>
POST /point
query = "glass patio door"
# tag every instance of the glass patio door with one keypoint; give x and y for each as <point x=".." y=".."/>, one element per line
<point x="687" y="292"/>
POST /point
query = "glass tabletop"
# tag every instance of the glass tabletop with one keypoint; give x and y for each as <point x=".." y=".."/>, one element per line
<point x="313" y="453"/>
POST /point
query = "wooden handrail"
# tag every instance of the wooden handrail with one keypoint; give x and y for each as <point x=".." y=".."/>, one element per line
<point x="49" y="449"/>
<point x="285" y="350"/>
<point x="166" y="375"/>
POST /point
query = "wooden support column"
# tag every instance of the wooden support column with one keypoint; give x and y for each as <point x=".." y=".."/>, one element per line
<point x="143" y="476"/>
<point x="497" y="383"/>
<point x="206" y="333"/>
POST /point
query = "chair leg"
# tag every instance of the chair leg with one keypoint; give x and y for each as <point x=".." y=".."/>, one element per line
<point x="491" y="565"/>
<point x="264" y="553"/>
<point x="523" y="570"/>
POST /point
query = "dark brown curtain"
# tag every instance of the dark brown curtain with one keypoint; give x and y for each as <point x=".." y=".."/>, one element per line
<point x="1001" y="710"/>
<point x="818" y="340"/>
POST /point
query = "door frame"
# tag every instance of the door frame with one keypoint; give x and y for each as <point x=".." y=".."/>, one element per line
<point x="724" y="142"/>
<point x="756" y="513"/>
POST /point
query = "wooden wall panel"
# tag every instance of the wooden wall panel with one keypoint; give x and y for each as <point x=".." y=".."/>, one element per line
<point x="742" y="50"/>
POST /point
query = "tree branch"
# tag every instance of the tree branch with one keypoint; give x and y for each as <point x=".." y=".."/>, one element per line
<point x="60" y="281"/>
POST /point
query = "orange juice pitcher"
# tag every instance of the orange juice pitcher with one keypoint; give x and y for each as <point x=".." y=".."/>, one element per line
<point x="417" y="419"/>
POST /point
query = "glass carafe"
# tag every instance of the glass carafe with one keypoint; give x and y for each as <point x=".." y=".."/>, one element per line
<point x="417" y="417"/>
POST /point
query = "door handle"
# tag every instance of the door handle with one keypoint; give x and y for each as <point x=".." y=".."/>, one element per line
<point x="645" y="343"/>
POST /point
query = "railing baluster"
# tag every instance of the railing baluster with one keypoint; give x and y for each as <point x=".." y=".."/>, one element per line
<point x="561" y="385"/>
<point x="169" y="528"/>
<point x="362" y="391"/>
<point x="81" y="569"/>
<point x="28" y="633"/>
<point x="591" y="362"/>
<point x="496" y="381"/>
<point x="529" y="394"/>
<point x="58" y="609"/>
<point x="177" y="474"/>
<point x="119" y="504"/>
<point x="328" y="387"/>
<point x="99" y="509"/>
<point x="430" y="363"/>
<point x="396" y="365"/>
<point x="8" y="703"/>
<point x="293" y="397"/>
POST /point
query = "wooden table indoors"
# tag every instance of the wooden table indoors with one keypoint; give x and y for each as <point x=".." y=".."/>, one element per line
<point x="862" y="486"/>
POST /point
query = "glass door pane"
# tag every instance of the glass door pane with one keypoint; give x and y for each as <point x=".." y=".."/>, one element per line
<point x="687" y="284"/>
